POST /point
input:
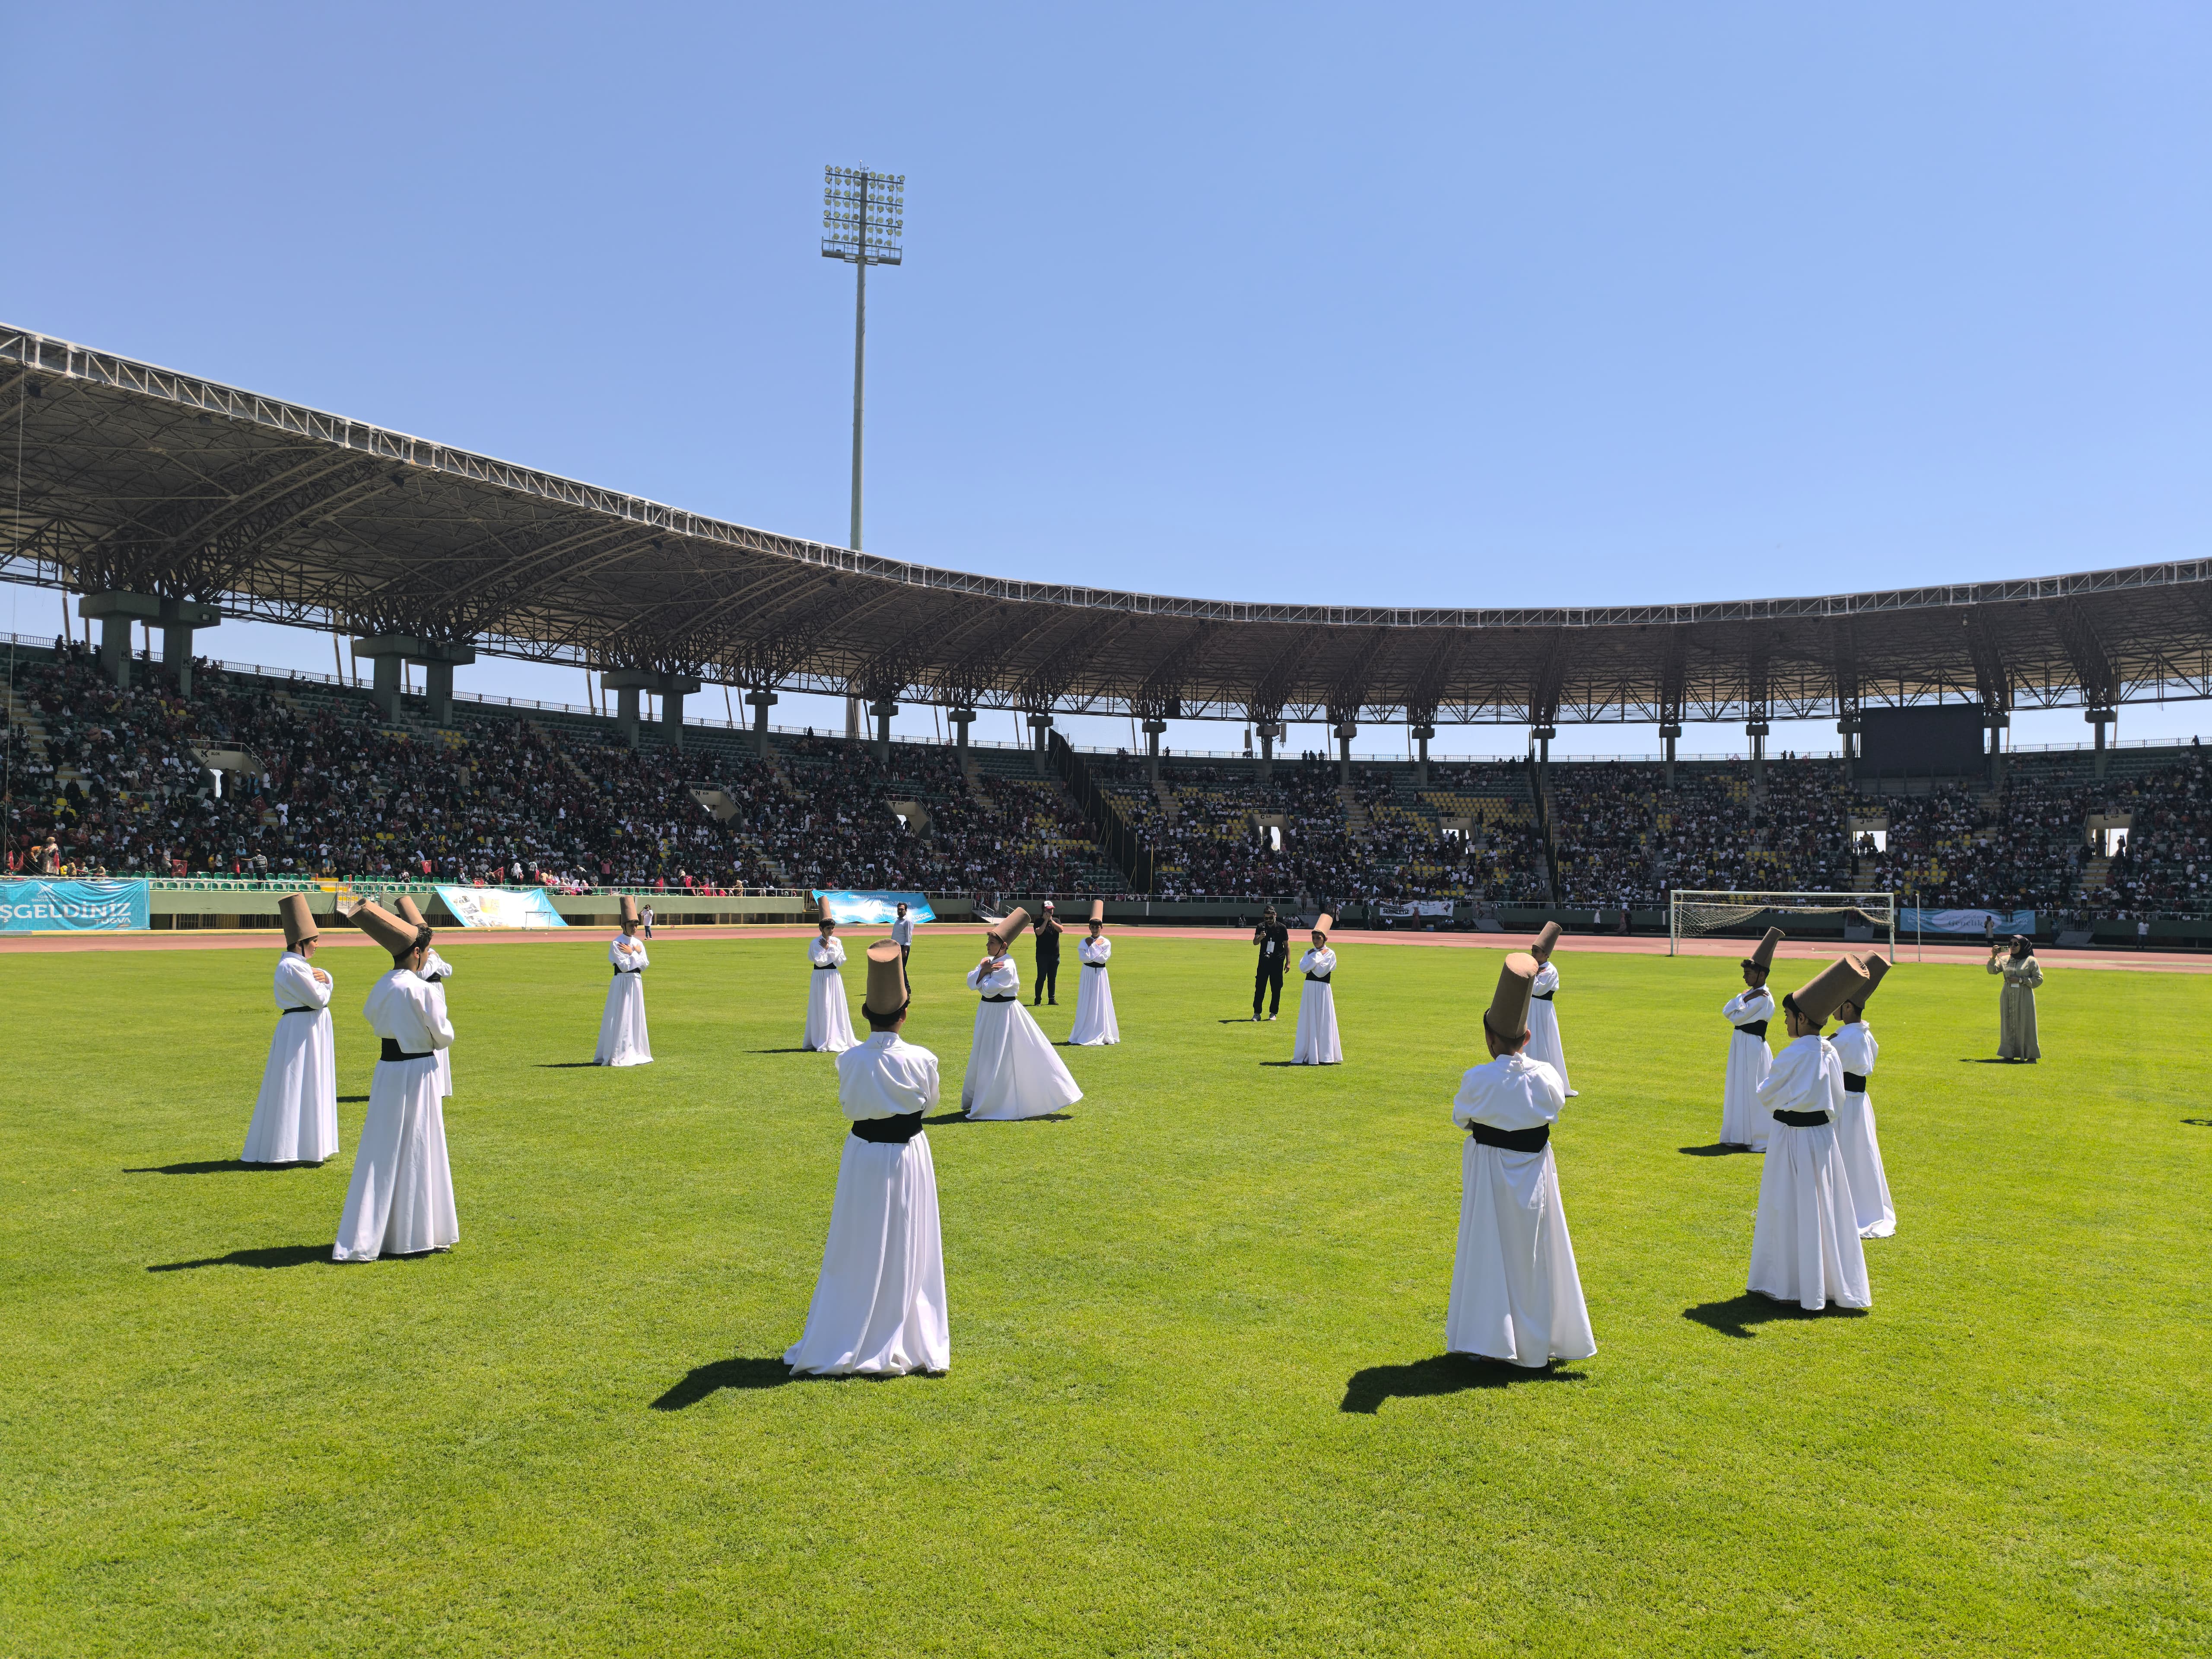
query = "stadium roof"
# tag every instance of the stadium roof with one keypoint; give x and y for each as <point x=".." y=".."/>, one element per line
<point x="139" y="479"/>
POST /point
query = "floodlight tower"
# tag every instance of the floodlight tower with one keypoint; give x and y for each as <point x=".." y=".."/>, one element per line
<point x="863" y="216"/>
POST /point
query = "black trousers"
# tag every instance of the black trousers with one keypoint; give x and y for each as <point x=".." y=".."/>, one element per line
<point x="1267" y="981"/>
<point x="1048" y="980"/>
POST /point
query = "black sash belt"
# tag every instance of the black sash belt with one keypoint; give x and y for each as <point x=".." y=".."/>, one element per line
<point x="889" y="1131"/>
<point x="393" y="1051"/>
<point x="1855" y="1082"/>
<point x="299" y="1011"/>
<point x="1543" y="996"/>
<point x="1320" y="979"/>
<point x="1512" y="1141"/>
<point x="1016" y="998"/>
<point x="1094" y="964"/>
<point x="1802" y="1120"/>
<point x="825" y="967"/>
<point x="619" y="972"/>
<point x="1756" y="1029"/>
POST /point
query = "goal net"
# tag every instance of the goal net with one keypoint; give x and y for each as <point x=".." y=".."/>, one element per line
<point x="1692" y="914"/>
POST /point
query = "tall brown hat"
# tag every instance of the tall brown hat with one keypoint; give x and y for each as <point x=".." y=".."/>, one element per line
<point x="299" y="920"/>
<point x="629" y="907"/>
<point x="1872" y="965"/>
<point x="1099" y="909"/>
<point x="405" y="906"/>
<point x="1507" y="1017"/>
<point x="394" y="933"/>
<point x="1842" y="981"/>
<point x="886" y="981"/>
<point x="1762" y="954"/>
<point x="1005" y="932"/>
<point x="1324" y="922"/>
<point x="1541" y="949"/>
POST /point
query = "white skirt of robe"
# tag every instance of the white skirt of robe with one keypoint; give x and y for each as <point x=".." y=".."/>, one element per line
<point x="1094" y="1025"/>
<point x="401" y="1201"/>
<point x="1744" y="1122"/>
<point x="1861" y="1150"/>
<point x="1805" y="1247"/>
<point x="295" y="1118"/>
<point x="879" y="1307"/>
<point x="1515" y="1293"/>
<point x="1012" y="1071"/>
<point x="1316" y="1043"/>
<point x="1543" y="1040"/>
<point x="621" y="1028"/>
<point x="829" y="1020"/>
<point x="445" y="1074"/>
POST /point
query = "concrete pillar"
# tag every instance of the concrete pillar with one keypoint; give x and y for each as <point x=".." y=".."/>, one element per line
<point x="386" y="685"/>
<point x="1668" y="735"/>
<point x="115" y="648"/>
<point x="960" y="720"/>
<point x="1270" y="735"/>
<point x="1847" y="731"/>
<point x="1344" y="734"/>
<point x="760" y="702"/>
<point x="1152" y="730"/>
<point x="628" y="684"/>
<point x="180" y="619"/>
<point x="438" y="692"/>
<point x="117" y="612"/>
<point x="1757" y="730"/>
<point x="883" y="712"/>
<point x="1421" y="735"/>
<point x="1543" y="736"/>
<point x="672" y="692"/>
<point x="2100" y="718"/>
<point x="1040" y="728"/>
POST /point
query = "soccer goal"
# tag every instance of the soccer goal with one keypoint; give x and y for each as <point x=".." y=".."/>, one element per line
<point x="1692" y="912"/>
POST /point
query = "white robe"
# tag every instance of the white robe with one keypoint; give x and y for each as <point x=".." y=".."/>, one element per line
<point x="436" y="970"/>
<point x="1515" y="1293"/>
<point x="1805" y="1246"/>
<point x="295" y="1117"/>
<point x="622" y="1039"/>
<point x="879" y="1306"/>
<point x="1744" y="1122"/>
<point x="1094" y="1025"/>
<point x="1855" y="1050"/>
<point x="1012" y="1071"/>
<point x="829" y="1019"/>
<point x="1543" y="1027"/>
<point x="1316" y="1042"/>
<point x="401" y="1198"/>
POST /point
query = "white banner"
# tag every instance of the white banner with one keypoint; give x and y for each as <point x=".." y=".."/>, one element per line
<point x="501" y="906"/>
<point x="1419" y="908"/>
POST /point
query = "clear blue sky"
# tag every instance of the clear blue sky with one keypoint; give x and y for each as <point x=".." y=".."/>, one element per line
<point x="1467" y="304"/>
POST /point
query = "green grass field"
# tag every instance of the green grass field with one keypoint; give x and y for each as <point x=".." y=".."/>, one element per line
<point x="1197" y="1404"/>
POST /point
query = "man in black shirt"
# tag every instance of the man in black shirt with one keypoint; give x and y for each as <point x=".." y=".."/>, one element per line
<point x="1047" y="932"/>
<point x="1274" y="942"/>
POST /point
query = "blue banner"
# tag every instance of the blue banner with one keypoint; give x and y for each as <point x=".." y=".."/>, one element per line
<point x="501" y="906"/>
<point x="37" y="906"/>
<point x="1964" y="922"/>
<point x="873" y="909"/>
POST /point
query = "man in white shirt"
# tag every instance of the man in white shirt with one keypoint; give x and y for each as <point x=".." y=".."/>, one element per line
<point x="879" y="1307"/>
<point x="902" y="936"/>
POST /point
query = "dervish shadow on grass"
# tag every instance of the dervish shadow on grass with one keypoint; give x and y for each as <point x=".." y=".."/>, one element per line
<point x="353" y="1100"/>
<point x="1444" y="1373"/>
<point x="558" y="1065"/>
<point x="2200" y="1122"/>
<point x="1735" y="1317"/>
<point x="215" y="1166"/>
<point x="800" y="1050"/>
<point x="1718" y="1149"/>
<point x="746" y="1375"/>
<point x="271" y="1255"/>
<point x="1991" y="1059"/>
<point x="963" y="1118"/>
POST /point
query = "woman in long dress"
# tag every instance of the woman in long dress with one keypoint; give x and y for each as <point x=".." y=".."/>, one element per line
<point x="1012" y="1069"/>
<point x="1743" y="1121"/>
<point x="436" y="970"/>
<point x="1805" y="1243"/>
<point x="295" y="1117"/>
<point x="622" y="1039"/>
<point x="1094" y="1025"/>
<point x="829" y="1021"/>
<point x="1516" y="1295"/>
<point x="1544" y="1043"/>
<point x="2023" y="977"/>
<point x="1316" y="1042"/>
<point x="1857" y="1052"/>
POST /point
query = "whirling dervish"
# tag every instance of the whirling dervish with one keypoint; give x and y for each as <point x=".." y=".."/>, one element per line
<point x="436" y="972"/>
<point x="622" y="1039"/>
<point x="1856" y="1051"/>
<point x="828" y="1023"/>
<point x="1744" y="1122"/>
<point x="1515" y="1293"/>
<point x="1094" y="1025"/>
<point x="295" y="1117"/>
<point x="1013" y="1070"/>
<point x="879" y="1307"/>
<point x="1543" y="1018"/>
<point x="400" y="1201"/>
<point x="1805" y="1244"/>
<point x="1315" y="1043"/>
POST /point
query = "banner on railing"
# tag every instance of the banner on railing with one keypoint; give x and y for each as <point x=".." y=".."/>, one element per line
<point x="74" y="907"/>
<point x="1976" y="922"/>
<point x="501" y="906"/>
<point x="873" y="909"/>
<point x="1417" y="907"/>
